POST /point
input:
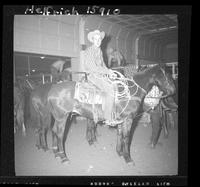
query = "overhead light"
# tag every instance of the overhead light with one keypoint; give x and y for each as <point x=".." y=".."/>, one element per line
<point x="42" y="57"/>
<point x="172" y="27"/>
<point x="164" y="28"/>
<point x="153" y="30"/>
<point x="33" y="70"/>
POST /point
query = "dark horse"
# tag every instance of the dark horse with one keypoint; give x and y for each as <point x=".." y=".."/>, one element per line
<point x="169" y="108"/>
<point x="22" y="89"/>
<point x="40" y="114"/>
<point x="61" y="103"/>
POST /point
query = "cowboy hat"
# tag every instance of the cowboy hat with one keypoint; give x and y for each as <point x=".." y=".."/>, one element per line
<point x="93" y="33"/>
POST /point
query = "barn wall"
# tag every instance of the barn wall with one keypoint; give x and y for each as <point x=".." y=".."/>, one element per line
<point x="149" y="51"/>
<point x="52" y="35"/>
<point x="170" y="53"/>
<point x="132" y="47"/>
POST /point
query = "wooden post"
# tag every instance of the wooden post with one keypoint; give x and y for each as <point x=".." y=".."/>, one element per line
<point x="42" y="78"/>
<point x="14" y="69"/>
<point x="29" y="71"/>
<point x="136" y="53"/>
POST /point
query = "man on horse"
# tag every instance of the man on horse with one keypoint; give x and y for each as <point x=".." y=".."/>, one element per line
<point x="98" y="74"/>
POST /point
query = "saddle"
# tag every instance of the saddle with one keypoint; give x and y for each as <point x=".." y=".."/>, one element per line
<point x="88" y="93"/>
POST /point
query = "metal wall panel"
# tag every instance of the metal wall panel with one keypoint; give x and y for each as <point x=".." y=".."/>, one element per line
<point x="170" y="53"/>
<point x="152" y="47"/>
<point x="51" y="35"/>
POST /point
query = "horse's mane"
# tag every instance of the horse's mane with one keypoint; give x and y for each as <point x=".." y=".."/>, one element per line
<point x="148" y="70"/>
<point x="143" y="77"/>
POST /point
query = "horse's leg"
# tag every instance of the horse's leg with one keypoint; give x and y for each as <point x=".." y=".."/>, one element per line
<point x="22" y="122"/>
<point x="73" y="118"/>
<point x="175" y="117"/>
<point x="91" y="131"/>
<point x="119" y="147"/>
<point x="15" y="124"/>
<point x="39" y="131"/>
<point x="38" y="138"/>
<point x="126" y="127"/>
<point x="54" y="136"/>
<point x="165" y="123"/>
<point x="46" y="120"/>
<point x="171" y="119"/>
<point x="55" y="143"/>
<point x="60" y="130"/>
<point x="43" y="138"/>
<point x="156" y="127"/>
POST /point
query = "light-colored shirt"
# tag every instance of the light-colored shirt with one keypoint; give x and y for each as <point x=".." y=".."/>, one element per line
<point x="151" y="98"/>
<point x="93" y="61"/>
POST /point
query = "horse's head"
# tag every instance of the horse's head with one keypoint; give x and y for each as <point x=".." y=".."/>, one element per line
<point x="163" y="80"/>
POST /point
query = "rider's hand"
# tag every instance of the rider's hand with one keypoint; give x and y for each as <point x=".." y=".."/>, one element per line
<point x="112" y="75"/>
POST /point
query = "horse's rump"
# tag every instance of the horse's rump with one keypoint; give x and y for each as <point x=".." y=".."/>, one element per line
<point x="38" y="97"/>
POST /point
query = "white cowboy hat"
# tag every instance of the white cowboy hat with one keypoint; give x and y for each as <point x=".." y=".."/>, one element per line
<point x="93" y="33"/>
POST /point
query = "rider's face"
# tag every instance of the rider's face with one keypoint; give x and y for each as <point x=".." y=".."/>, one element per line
<point x="97" y="40"/>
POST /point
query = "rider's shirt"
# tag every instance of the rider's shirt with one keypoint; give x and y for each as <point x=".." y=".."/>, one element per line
<point x="151" y="98"/>
<point x="93" y="61"/>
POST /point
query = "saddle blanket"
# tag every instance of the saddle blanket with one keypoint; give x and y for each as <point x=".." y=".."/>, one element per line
<point x="88" y="93"/>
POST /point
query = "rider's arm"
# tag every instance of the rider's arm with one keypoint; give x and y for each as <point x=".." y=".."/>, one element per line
<point x="102" y="61"/>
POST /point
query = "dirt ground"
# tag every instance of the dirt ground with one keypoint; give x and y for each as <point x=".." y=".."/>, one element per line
<point x="100" y="159"/>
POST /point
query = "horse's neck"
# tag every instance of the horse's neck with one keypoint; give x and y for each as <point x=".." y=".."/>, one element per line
<point x="143" y="81"/>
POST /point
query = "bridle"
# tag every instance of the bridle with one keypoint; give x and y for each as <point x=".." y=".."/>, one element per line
<point x="166" y="81"/>
<point x="138" y="86"/>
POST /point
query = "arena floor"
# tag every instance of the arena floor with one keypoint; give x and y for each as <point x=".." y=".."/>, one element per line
<point x="100" y="159"/>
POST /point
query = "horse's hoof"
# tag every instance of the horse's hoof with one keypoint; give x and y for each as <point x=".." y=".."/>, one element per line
<point x="57" y="155"/>
<point x="90" y="142"/>
<point x="160" y="144"/>
<point x="166" y="136"/>
<point x="38" y="147"/>
<point x="131" y="163"/>
<point x="120" y="153"/>
<point x="129" y="160"/>
<point x="45" y="149"/>
<point x="54" y="151"/>
<point x="24" y="134"/>
<point x="65" y="160"/>
<point x="151" y="145"/>
<point x="98" y="135"/>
